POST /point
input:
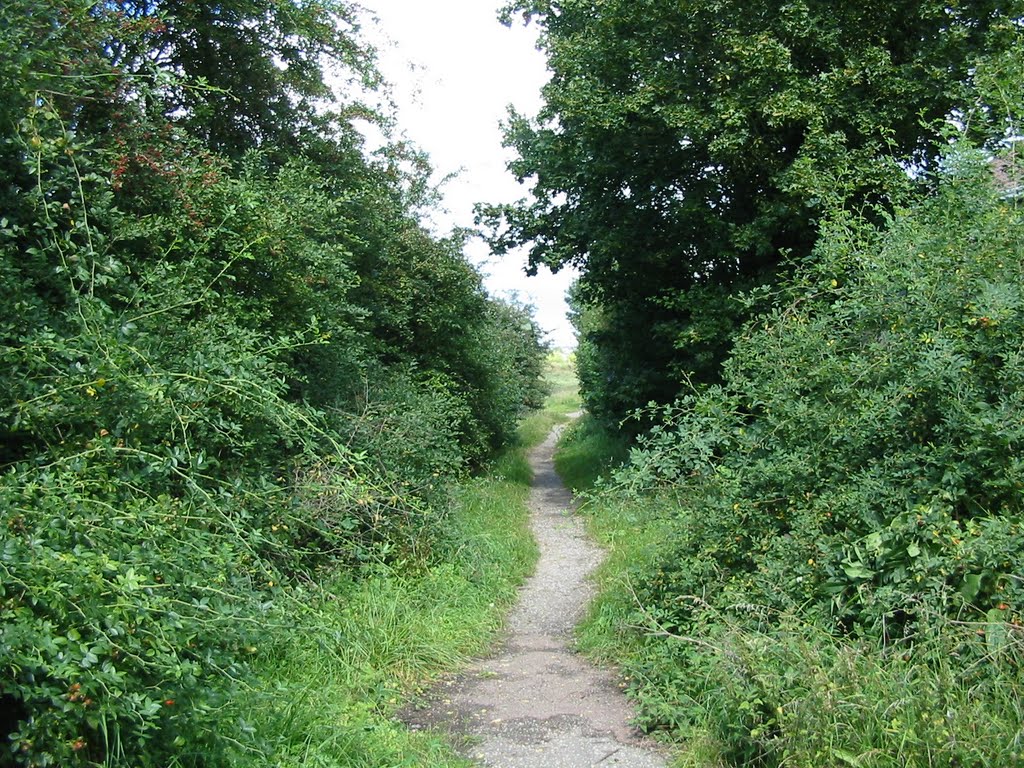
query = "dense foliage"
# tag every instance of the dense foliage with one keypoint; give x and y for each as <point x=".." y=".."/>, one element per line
<point x="231" y="360"/>
<point x="855" y="476"/>
<point x="861" y="454"/>
<point x="686" y="150"/>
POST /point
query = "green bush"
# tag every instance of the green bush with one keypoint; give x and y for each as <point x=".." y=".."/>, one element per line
<point x="864" y="439"/>
<point x="127" y="621"/>
<point x="857" y="468"/>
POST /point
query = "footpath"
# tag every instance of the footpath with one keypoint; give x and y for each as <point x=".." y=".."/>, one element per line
<point x="536" y="703"/>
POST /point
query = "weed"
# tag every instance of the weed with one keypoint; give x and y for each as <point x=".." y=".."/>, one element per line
<point x="366" y="646"/>
<point x="586" y="451"/>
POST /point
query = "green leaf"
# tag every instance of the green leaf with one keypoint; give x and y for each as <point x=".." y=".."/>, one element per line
<point x="847" y="757"/>
<point x="996" y="635"/>
<point x="971" y="586"/>
<point x="857" y="570"/>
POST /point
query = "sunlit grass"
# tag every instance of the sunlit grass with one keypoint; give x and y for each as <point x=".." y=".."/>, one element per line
<point x="586" y="451"/>
<point x="563" y="400"/>
<point x="363" y="647"/>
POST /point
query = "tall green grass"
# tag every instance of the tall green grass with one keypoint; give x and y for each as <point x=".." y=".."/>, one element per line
<point x="358" y="649"/>
<point x="361" y="648"/>
<point x="368" y="644"/>
<point x="563" y="399"/>
<point x="586" y="451"/>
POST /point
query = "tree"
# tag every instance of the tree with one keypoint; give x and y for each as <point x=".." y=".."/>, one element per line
<point x="240" y="74"/>
<point x="685" y="149"/>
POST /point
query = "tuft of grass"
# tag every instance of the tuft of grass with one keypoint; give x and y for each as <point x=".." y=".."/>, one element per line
<point x="586" y="451"/>
<point x="512" y="466"/>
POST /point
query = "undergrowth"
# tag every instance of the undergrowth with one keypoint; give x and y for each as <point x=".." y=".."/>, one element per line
<point x="778" y="690"/>
<point x="587" y="450"/>
<point x="365" y="646"/>
<point x="234" y="363"/>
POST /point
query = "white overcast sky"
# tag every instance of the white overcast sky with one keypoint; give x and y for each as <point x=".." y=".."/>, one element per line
<point x="454" y="70"/>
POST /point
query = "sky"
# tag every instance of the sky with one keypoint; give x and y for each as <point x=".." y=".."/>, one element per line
<point x="454" y="70"/>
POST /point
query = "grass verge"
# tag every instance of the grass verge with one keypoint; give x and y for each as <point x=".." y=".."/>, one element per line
<point x="628" y="533"/>
<point x="562" y="401"/>
<point x="586" y="451"/>
<point x="368" y="645"/>
<point x="361" y="648"/>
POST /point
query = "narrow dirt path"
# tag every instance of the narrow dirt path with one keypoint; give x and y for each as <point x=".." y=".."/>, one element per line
<point x="536" y="703"/>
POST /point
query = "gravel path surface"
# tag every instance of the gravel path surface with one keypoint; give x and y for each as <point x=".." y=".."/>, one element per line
<point x="536" y="703"/>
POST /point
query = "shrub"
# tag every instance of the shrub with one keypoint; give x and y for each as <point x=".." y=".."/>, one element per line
<point x="127" y="620"/>
<point x="857" y="468"/>
<point x="864" y="440"/>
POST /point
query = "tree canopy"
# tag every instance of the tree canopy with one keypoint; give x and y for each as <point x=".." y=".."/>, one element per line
<point x="686" y="151"/>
